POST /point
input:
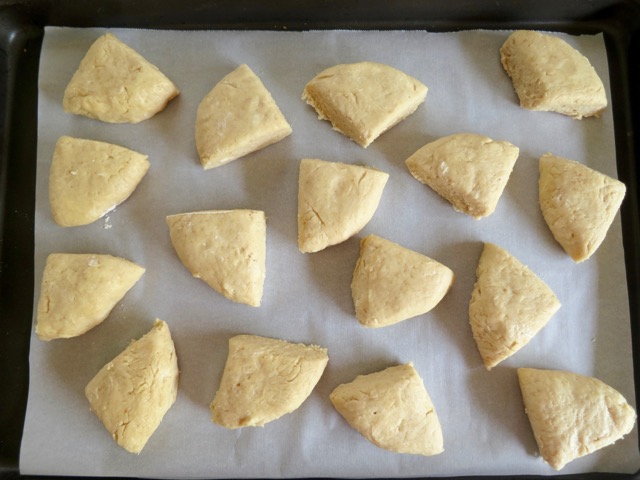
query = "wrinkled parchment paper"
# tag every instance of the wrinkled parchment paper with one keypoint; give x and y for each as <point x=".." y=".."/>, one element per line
<point x="307" y="297"/>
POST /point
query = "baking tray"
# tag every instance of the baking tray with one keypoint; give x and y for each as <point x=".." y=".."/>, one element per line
<point x="21" y="31"/>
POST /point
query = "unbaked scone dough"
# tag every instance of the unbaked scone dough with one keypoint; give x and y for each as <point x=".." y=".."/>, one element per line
<point x="572" y="415"/>
<point x="237" y="117"/>
<point x="224" y="248"/>
<point x="392" y="283"/>
<point x="335" y="201"/>
<point x="392" y="410"/>
<point x="509" y="305"/>
<point x="363" y="100"/>
<point x="78" y="291"/>
<point x="578" y="204"/>
<point x="548" y="74"/>
<point x="466" y="169"/>
<point x="88" y="178"/>
<point x="132" y="393"/>
<point x="264" y="379"/>
<point x="115" y="84"/>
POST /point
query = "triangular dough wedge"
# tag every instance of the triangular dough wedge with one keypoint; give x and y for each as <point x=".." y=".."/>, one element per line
<point x="572" y="415"/>
<point x="88" y="178"/>
<point x="392" y="283"/>
<point x="578" y="204"/>
<point x="224" y="248"/>
<point x="468" y="170"/>
<point x="237" y="117"/>
<point x="509" y="305"/>
<point x="132" y="393"/>
<point x="264" y="379"/>
<point x="78" y="292"/>
<point x="115" y="84"/>
<point x="548" y="74"/>
<point x="363" y="100"/>
<point x="335" y="201"/>
<point x="392" y="410"/>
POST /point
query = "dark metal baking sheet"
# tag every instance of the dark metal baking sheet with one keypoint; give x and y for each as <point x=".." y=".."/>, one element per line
<point x="21" y="31"/>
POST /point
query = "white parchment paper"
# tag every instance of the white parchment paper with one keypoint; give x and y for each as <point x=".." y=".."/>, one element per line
<point x="307" y="298"/>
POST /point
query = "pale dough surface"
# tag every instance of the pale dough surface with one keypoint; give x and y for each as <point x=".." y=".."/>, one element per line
<point x="115" y="84"/>
<point x="335" y="201"/>
<point x="237" y="117"/>
<point x="392" y="283"/>
<point x="572" y="415"/>
<point x="392" y="409"/>
<point x="578" y="204"/>
<point x="466" y="169"/>
<point x="365" y="99"/>
<point x="132" y="393"/>
<point x="78" y="291"/>
<point x="224" y="248"/>
<point x="548" y="74"/>
<point x="509" y="305"/>
<point x="264" y="379"/>
<point x="89" y="178"/>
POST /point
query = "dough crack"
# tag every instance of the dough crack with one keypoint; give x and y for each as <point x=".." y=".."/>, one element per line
<point x="316" y="214"/>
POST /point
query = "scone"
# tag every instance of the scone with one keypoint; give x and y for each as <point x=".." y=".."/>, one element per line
<point x="335" y="201"/>
<point x="264" y="379"/>
<point x="468" y="170"/>
<point x="237" y="117"/>
<point x="572" y="415"/>
<point x="132" y="393"/>
<point x="88" y="178"/>
<point x="578" y="204"/>
<point x="509" y="305"/>
<point x="392" y="283"/>
<point x="224" y="248"/>
<point x="363" y="100"/>
<point x="78" y="291"/>
<point x="392" y="410"/>
<point x="115" y="84"/>
<point x="548" y="74"/>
